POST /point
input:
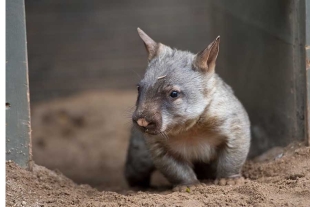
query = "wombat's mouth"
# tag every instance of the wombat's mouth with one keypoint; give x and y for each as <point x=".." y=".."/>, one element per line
<point x="148" y="131"/>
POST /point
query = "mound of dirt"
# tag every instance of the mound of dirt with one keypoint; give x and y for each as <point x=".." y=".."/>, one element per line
<point x="281" y="182"/>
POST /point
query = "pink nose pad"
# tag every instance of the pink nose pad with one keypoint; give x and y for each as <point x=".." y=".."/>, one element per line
<point x="142" y="122"/>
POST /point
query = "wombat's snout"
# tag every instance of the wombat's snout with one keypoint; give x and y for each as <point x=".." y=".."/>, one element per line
<point x="150" y="125"/>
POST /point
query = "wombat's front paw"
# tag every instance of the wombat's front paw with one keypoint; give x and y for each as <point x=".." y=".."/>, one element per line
<point x="208" y="182"/>
<point x="229" y="181"/>
<point x="188" y="188"/>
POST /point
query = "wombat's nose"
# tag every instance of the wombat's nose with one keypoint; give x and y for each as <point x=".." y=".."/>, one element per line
<point x="146" y="124"/>
<point x="142" y="122"/>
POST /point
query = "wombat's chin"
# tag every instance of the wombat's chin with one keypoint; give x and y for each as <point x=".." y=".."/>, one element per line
<point x="152" y="132"/>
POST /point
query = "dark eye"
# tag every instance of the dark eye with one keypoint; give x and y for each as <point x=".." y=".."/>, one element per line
<point x="138" y="88"/>
<point x="174" y="94"/>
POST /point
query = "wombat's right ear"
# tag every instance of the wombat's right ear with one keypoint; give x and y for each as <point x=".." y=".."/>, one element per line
<point x="205" y="60"/>
<point x="150" y="45"/>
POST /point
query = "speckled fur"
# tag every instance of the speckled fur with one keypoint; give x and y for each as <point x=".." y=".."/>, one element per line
<point x="206" y="127"/>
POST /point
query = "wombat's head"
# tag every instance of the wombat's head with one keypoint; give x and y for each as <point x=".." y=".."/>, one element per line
<point x="175" y="88"/>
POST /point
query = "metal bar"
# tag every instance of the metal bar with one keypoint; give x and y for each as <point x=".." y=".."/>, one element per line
<point x="307" y="62"/>
<point x="299" y="76"/>
<point x="18" y="129"/>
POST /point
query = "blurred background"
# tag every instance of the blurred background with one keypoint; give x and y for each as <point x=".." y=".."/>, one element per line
<point x="85" y="57"/>
<point x="77" y="45"/>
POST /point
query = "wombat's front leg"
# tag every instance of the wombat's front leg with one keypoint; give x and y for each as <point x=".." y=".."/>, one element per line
<point x="229" y="165"/>
<point x="179" y="173"/>
<point x="139" y="165"/>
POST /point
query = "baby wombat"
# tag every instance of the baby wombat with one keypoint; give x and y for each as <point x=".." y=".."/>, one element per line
<point x="188" y="123"/>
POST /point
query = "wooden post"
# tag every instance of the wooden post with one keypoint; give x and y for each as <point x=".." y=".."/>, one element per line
<point x="18" y="129"/>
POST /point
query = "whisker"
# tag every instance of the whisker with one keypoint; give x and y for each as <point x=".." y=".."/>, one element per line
<point x="139" y="76"/>
<point x="128" y="117"/>
<point x="128" y="123"/>
<point x="128" y="112"/>
<point x="164" y="135"/>
<point x="167" y="136"/>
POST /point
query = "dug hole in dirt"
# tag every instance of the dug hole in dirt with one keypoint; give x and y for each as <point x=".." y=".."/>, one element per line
<point x="85" y="138"/>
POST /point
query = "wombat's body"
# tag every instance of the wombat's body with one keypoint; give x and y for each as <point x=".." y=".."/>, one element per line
<point x="188" y="123"/>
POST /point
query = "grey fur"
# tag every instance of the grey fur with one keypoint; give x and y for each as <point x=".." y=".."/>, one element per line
<point x="139" y="165"/>
<point x="203" y="133"/>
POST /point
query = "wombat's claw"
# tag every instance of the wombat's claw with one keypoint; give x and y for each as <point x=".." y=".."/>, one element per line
<point x="188" y="188"/>
<point x="229" y="181"/>
<point x="208" y="182"/>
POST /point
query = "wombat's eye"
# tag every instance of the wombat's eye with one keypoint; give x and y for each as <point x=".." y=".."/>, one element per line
<point x="174" y="94"/>
<point x="138" y="88"/>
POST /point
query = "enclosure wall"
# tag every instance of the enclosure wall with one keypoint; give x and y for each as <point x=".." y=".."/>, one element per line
<point x="262" y="58"/>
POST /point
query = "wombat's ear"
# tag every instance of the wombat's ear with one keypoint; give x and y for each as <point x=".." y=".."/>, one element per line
<point x="205" y="60"/>
<point x="150" y="45"/>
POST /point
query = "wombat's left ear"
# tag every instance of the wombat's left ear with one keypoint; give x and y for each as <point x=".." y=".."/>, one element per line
<point x="205" y="60"/>
<point x="150" y="45"/>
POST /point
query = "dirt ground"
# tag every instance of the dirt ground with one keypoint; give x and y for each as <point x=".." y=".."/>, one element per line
<point x="85" y="138"/>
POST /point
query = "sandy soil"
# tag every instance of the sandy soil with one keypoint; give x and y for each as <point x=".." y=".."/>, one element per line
<point x="85" y="138"/>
